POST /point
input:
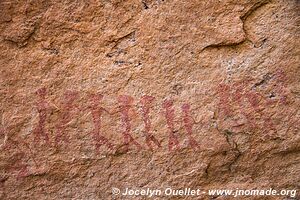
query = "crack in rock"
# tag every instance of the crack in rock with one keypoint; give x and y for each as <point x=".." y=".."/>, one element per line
<point x="243" y="18"/>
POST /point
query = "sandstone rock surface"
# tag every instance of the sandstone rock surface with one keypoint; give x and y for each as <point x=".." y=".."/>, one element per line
<point x="148" y="94"/>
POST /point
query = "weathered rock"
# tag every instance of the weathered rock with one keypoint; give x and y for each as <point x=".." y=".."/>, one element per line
<point x="148" y="94"/>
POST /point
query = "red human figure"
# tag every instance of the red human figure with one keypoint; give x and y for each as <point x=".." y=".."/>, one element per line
<point x="188" y="123"/>
<point x="97" y="112"/>
<point x="146" y="103"/>
<point x="126" y="104"/>
<point x="224" y="91"/>
<point x="66" y="116"/>
<point x="42" y="107"/>
<point x="170" y="115"/>
<point x="239" y="97"/>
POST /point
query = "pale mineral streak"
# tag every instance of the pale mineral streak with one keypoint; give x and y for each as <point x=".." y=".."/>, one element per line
<point x="153" y="94"/>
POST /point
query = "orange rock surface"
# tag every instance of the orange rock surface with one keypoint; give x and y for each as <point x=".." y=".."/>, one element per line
<point x="99" y="95"/>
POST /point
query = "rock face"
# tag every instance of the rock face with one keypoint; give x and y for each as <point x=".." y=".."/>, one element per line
<point x="153" y="94"/>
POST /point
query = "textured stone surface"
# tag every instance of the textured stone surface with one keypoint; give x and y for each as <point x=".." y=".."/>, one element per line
<point x="73" y="71"/>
